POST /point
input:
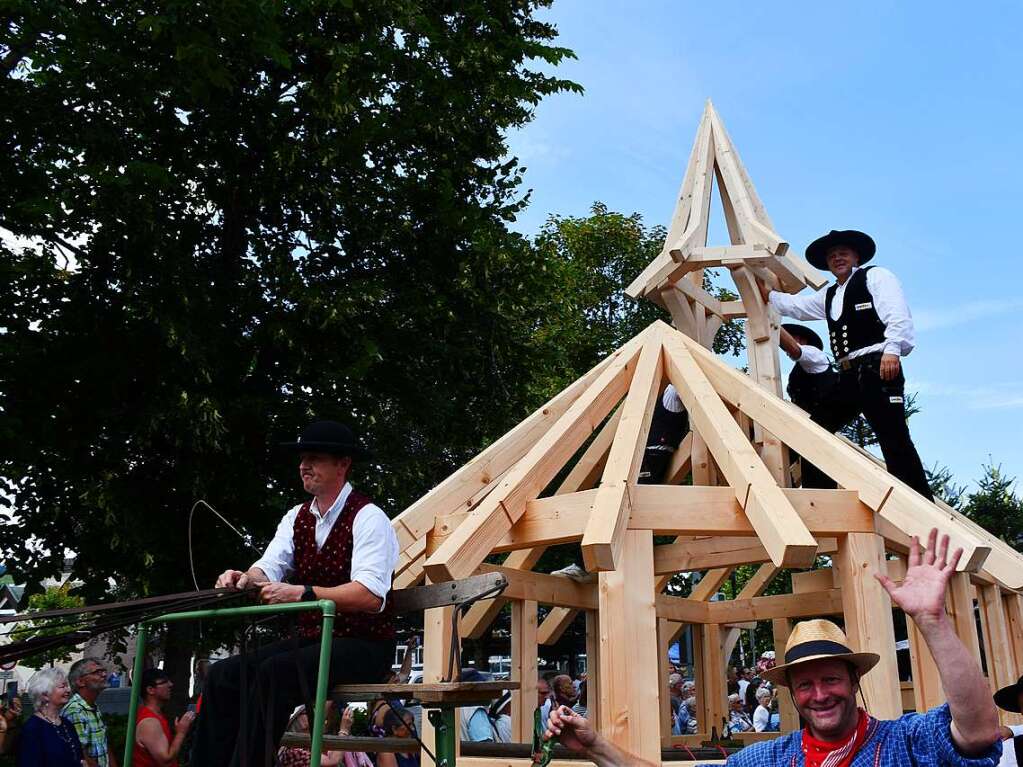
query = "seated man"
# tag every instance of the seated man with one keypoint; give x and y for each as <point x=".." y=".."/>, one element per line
<point x="337" y="545"/>
<point x="823" y="673"/>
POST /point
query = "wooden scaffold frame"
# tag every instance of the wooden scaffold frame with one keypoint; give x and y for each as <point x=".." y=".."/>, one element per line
<point x="737" y="505"/>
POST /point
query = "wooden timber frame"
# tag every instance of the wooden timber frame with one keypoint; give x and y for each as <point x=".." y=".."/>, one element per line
<point x="727" y="500"/>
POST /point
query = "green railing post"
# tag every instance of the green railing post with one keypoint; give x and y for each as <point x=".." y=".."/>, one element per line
<point x="443" y="721"/>
<point x="320" y="710"/>
<point x="136" y="690"/>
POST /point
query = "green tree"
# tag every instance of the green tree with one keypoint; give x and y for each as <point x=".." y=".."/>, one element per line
<point x="53" y="598"/>
<point x="232" y="217"/>
<point x="943" y="485"/>
<point x="996" y="507"/>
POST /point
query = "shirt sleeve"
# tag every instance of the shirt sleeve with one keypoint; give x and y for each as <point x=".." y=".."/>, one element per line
<point x="374" y="551"/>
<point x="928" y="739"/>
<point x="890" y="305"/>
<point x="808" y="306"/>
<point x="279" y="558"/>
<point x="812" y="359"/>
<point x="761" y="718"/>
<point x="1016" y="729"/>
<point x="671" y="401"/>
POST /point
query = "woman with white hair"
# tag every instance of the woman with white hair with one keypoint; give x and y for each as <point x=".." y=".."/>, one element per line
<point x="738" y="719"/>
<point x="762" y="716"/>
<point x="47" y="738"/>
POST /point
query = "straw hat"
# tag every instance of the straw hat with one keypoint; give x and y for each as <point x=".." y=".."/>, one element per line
<point x="818" y="640"/>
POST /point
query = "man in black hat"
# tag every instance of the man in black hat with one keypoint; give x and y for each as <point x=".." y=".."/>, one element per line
<point x="1011" y="699"/>
<point x="338" y="546"/>
<point x="811" y="382"/>
<point x="871" y="330"/>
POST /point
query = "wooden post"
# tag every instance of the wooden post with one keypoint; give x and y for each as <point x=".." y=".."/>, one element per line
<point x="786" y="709"/>
<point x="997" y="645"/>
<point x="628" y="650"/>
<point x="960" y="609"/>
<point x="436" y="636"/>
<point x="714" y="691"/>
<point x="1014" y="611"/>
<point x="593" y="681"/>
<point x="664" y="630"/>
<point x="868" y="618"/>
<point x="523" y="669"/>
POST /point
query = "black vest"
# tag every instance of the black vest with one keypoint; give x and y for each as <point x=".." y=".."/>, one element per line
<point x="666" y="428"/>
<point x="808" y="389"/>
<point x="859" y="324"/>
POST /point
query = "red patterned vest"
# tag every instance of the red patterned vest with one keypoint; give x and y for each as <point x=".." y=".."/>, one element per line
<point x="332" y="566"/>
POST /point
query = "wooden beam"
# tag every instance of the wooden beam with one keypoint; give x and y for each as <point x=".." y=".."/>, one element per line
<point x="813" y="580"/>
<point x="474" y="540"/>
<point x="681" y="462"/>
<point x="868" y="618"/>
<point x="584" y="474"/>
<point x="1014" y="612"/>
<point x="523" y="668"/>
<point x="960" y="608"/>
<point x="814" y="605"/>
<point x="545" y="589"/>
<point x="778" y="525"/>
<point x="688" y="555"/>
<point x="555" y="624"/>
<point x="997" y="645"/>
<point x="593" y="694"/>
<point x="894" y="501"/>
<point x="609" y="517"/>
<point x="461" y="490"/>
<point x="710" y="584"/>
<point x="713" y="700"/>
<point x="782" y="628"/>
<point x="680" y="609"/>
<point x="628" y="674"/>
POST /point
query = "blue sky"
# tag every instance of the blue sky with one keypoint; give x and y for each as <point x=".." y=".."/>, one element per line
<point x="900" y="119"/>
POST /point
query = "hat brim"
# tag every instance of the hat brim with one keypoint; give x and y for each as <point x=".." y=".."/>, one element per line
<point x="1007" y="698"/>
<point x="862" y="661"/>
<point x="802" y="330"/>
<point x="355" y="452"/>
<point x="817" y="251"/>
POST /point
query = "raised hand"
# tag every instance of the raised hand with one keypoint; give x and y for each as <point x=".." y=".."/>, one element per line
<point x="572" y="731"/>
<point x="921" y="595"/>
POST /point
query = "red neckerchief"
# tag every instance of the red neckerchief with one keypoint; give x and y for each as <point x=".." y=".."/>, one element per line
<point x="819" y="753"/>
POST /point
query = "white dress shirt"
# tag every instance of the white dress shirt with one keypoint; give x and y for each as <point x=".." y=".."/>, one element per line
<point x="374" y="544"/>
<point x="889" y="303"/>
<point x="671" y="401"/>
<point x="812" y="359"/>
<point x="1009" y="749"/>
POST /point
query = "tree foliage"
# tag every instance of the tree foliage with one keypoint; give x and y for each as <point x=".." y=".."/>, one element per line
<point x="996" y="507"/>
<point x="53" y="598"/>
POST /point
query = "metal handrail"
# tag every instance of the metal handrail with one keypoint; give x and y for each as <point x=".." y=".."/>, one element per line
<point x="316" y="725"/>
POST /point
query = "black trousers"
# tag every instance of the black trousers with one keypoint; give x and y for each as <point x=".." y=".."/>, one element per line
<point x="655" y="464"/>
<point x="861" y="390"/>
<point x="274" y="677"/>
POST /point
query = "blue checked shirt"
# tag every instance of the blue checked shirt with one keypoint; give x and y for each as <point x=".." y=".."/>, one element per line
<point x="914" y="740"/>
<point x="92" y="732"/>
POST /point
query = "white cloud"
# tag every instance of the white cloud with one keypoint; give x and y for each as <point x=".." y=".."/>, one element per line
<point x="1006" y="395"/>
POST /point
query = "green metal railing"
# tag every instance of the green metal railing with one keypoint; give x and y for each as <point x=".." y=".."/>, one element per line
<point x="316" y="723"/>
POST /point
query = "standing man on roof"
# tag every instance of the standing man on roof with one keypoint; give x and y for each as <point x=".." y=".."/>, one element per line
<point x="811" y="383"/>
<point x="338" y="546"/>
<point x="871" y="330"/>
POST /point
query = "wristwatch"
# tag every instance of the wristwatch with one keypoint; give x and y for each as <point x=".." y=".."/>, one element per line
<point x="308" y="595"/>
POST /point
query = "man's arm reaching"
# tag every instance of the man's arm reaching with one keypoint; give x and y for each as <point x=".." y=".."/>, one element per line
<point x="575" y="733"/>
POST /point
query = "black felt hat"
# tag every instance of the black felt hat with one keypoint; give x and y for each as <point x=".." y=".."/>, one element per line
<point x="802" y="331"/>
<point x="817" y="251"/>
<point x="328" y="437"/>
<point x="1007" y="698"/>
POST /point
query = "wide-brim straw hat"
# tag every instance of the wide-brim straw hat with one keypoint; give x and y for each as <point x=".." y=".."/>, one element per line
<point x="1007" y="698"/>
<point x="818" y="640"/>
<point x="863" y="244"/>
